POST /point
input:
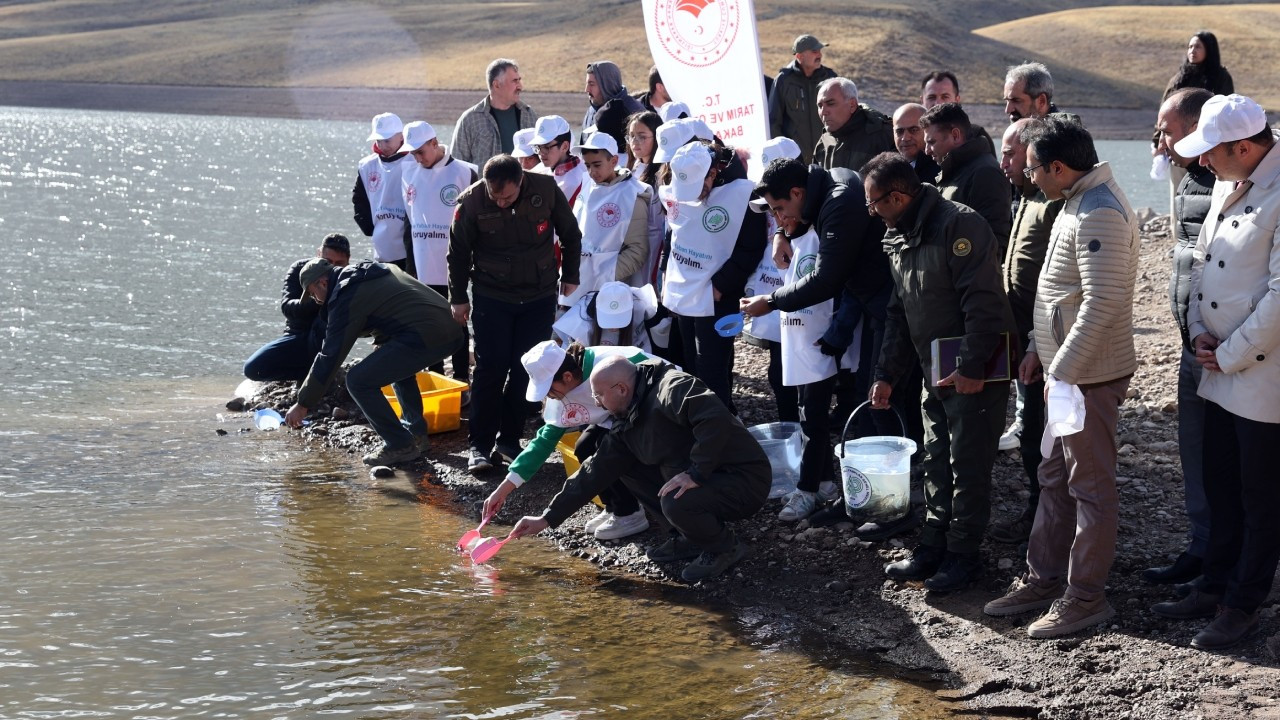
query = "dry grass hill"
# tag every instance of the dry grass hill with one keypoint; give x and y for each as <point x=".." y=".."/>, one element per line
<point x="1101" y="56"/>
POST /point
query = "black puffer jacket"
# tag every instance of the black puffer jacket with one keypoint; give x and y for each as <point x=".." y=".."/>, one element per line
<point x="1191" y="207"/>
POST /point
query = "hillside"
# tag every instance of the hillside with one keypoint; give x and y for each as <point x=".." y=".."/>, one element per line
<point x="884" y="46"/>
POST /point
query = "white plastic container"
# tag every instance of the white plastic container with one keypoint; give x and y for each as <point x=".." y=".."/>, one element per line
<point x="783" y="443"/>
<point x="876" y="475"/>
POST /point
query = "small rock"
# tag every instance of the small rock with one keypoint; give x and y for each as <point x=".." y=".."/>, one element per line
<point x="1273" y="646"/>
<point x="1126" y="450"/>
<point x="1005" y="564"/>
<point x="837" y="586"/>
<point x="896" y="543"/>
<point x="382" y="471"/>
<point x="236" y="404"/>
<point x="1169" y="406"/>
<point x="340" y="413"/>
<point x="1131" y="393"/>
<point x="220" y="431"/>
<point x="844" y="527"/>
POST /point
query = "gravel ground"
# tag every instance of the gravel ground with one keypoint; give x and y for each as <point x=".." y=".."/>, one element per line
<point x="827" y="581"/>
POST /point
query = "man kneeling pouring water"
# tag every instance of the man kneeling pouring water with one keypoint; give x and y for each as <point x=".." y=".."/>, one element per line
<point x="677" y="448"/>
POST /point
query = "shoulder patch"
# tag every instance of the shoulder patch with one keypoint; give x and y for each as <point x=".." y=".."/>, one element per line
<point x="961" y="247"/>
<point x="1095" y="245"/>
<point x="536" y="201"/>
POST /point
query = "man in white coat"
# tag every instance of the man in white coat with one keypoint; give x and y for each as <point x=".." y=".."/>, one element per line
<point x="1233" y="319"/>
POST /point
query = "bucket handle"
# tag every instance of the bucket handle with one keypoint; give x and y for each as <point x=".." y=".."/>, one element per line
<point x="845" y="434"/>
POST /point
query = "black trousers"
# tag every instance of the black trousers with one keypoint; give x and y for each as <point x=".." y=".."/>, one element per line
<point x="707" y="355"/>
<point x="503" y="332"/>
<point x="731" y="493"/>
<point x="1242" y="486"/>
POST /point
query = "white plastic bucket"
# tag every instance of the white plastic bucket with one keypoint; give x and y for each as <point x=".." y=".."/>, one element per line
<point x="876" y="475"/>
<point x="783" y="443"/>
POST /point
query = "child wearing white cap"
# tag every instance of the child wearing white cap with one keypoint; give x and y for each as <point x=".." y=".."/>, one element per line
<point x="523" y="150"/>
<point x="716" y="242"/>
<point x="378" y="204"/>
<point x="551" y="140"/>
<point x="429" y="189"/>
<point x="560" y="377"/>
<point x="612" y="212"/>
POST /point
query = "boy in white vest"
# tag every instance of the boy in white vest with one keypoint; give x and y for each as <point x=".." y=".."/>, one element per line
<point x="612" y="212"/>
<point x="551" y="140"/>
<point x="376" y="197"/>
<point x="429" y="189"/>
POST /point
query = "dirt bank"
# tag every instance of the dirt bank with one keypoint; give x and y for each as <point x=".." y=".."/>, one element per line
<point x="826" y="580"/>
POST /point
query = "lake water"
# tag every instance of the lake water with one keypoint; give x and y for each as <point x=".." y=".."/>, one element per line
<point x="153" y="569"/>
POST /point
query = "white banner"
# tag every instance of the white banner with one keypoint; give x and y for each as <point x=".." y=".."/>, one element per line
<point x="708" y="55"/>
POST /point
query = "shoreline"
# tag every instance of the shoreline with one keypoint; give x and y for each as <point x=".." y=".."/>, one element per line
<point x="827" y="582"/>
<point x="434" y="106"/>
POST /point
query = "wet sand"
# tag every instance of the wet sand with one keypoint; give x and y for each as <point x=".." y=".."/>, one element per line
<point x="434" y="106"/>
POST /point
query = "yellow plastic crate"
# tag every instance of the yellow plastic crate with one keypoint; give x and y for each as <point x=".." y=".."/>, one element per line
<point x="441" y="401"/>
<point x="571" y="464"/>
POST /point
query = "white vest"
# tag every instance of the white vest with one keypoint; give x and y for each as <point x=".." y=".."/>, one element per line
<point x="802" y="361"/>
<point x="386" y="202"/>
<point x="703" y="236"/>
<point x="765" y="280"/>
<point x="603" y="213"/>
<point x="430" y="195"/>
<point x="578" y="408"/>
<point x="569" y="182"/>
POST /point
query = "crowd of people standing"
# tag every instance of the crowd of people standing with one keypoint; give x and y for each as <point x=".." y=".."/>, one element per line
<point x="604" y="275"/>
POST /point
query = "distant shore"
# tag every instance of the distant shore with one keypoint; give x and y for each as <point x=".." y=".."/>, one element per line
<point x="434" y="106"/>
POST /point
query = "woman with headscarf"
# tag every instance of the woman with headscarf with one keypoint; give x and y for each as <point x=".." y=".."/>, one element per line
<point x="610" y="106"/>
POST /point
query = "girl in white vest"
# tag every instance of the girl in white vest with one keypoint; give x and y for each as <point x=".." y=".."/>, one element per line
<point x="642" y="133"/>
<point x="377" y="198"/>
<point x="560" y="377"/>
<point x="430" y="192"/>
<point x="716" y="243"/>
<point x="612" y="213"/>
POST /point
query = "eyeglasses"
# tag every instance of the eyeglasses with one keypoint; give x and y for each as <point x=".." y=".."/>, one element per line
<point x="544" y="147"/>
<point x="871" y="203"/>
<point x="1026" y="172"/>
<point x="598" y="398"/>
<point x="629" y="138"/>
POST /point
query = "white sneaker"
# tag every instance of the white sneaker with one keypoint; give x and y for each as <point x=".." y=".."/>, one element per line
<point x="595" y="522"/>
<point x="800" y="505"/>
<point x="828" y="491"/>
<point x="1012" y="438"/>
<point x="619" y="527"/>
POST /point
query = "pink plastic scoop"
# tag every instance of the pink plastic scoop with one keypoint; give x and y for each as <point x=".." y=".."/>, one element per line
<point x="470" y="536"/>
<point x="488" y="548"/>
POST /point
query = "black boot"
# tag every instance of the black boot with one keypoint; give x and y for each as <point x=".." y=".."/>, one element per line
<point x="923" y="563"/>
<point x="956" y="572"/>
<point x="1184" y="569"/>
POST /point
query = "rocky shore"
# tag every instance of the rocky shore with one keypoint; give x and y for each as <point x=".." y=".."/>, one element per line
<point x="829" y="582"/>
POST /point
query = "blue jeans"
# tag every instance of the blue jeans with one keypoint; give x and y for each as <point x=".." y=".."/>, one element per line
<point x="286" y="358"/>
<point x="1191" y="452"/>
<point x="503" y="332"/>
<point x="395" y="363"/>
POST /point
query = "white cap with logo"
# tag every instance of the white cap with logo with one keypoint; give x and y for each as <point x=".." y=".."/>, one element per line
<point x="689" y="168"/>
<point x="385" y="126"/>
<point x="613" y="305"/>
<point x="548" y="128"/>
<point x="417" y="134"/>
<point x="542" y="362"/>
<point x="673" y="110"/>
<point x="677" y="133"/>
<point x="523" y="141"/>
<point x="774" y="149"/>
<point x="597" y="141"/>
<point x="1224" y="118"/>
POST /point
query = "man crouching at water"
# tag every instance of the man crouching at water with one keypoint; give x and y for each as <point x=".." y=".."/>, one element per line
<point x="677" y="448"/>
<point x="412" y="327"/>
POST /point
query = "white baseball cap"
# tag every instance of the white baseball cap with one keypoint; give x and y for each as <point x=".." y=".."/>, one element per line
<point x="689" y="168"/>
<point x="613" y="305"/>
<point x="1224" y="118"/>
<point x="677" y="133"/>
<point x="417" y="134"/>
<point x="548" y="128"/>
<point x="542" y="362"/>
<point x="385" y="126"/>
<point x="779" y="147"/>
<point x="523" y="143"/>
<point x="673" y="110"/>
<point x="597" y="141"/>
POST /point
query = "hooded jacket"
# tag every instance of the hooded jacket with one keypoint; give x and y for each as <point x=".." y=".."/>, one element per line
<point x="611" y="117"/>
<point x="378" y="300"/>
